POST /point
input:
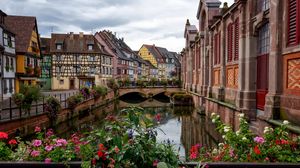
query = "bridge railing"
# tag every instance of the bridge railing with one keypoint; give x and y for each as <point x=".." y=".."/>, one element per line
<point x="148" y="85"/>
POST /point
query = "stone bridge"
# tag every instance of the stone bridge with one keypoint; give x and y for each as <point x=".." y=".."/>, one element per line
<point x="147" y="91"/>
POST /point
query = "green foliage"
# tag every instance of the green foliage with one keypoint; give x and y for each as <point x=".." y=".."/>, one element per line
<point x="113" y="84"/>
<point x="130" y="141"/>
<point x="276" y="145"/>
<point x="164" y="82"/>
<point x="27" y="95"/>
<point x="74" y="100"/>
<point x="99" y="91"/>
<point x="126" y="81"/>
<point x="52" y="107"/>
<point x="153" y="81"/>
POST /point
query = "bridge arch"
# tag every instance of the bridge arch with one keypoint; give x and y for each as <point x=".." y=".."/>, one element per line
<point x="148" y="90"/>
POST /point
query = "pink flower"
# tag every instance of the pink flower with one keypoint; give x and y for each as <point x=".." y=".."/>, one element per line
<point x="231" y="153"/>
<point x="48" y="148"/>
<point x="259" y="140"/>
<point x="35" y="153"/>
<point x="61" y="142"/>
<point x="37" y="143"/>
<point x="12" y="142"/>
<point x="193" y="155"/>
<point x="49" y="133"/>
<point x="48" y="160"/>
<point x="117" y="150"/>
<point x="37" y="129"/>
<point x="155" y="162"/>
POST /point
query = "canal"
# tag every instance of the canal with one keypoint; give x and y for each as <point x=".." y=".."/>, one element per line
<point x="181" y="126"/>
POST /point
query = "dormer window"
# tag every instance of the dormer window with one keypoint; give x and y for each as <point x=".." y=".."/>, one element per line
<point x="90" y="47"/>
<point x="58" y="46"/>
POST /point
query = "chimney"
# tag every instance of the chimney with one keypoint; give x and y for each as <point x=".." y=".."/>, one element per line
<point x="80" y="34"/>
<point x="71" y="35"/>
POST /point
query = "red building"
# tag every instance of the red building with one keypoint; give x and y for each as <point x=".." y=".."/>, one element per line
<point x="245" y="59"/>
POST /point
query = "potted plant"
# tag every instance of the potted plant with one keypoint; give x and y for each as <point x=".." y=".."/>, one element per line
<point x="7" y="68"/>
<point x="29" y="69"/>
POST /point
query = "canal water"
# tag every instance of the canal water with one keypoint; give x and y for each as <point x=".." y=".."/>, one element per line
<point x="181" y="126"/>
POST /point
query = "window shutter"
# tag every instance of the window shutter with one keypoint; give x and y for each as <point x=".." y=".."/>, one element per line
<point x="236" y="39"/>
<point x="229" y="42"/>
<point x="293" y="22"/>
<point x="219" y="47"/>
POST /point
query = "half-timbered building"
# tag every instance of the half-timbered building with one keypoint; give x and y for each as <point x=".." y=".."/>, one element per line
<point x="76" y="61"/>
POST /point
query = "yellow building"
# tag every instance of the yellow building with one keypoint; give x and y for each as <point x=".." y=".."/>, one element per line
<point x="27" y="49"/>
<point x="147" y="52"/>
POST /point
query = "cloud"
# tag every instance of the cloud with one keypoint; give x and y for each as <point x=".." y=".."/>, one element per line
<point x="138" y="21"/>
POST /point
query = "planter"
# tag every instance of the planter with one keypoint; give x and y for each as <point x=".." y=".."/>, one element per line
<point x="239" y="165"/>
<point x="39" y="164"/>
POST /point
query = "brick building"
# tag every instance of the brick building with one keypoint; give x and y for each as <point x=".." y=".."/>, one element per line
<point x="245" y="59"/>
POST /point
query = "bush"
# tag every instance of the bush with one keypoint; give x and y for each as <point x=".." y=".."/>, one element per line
<point x="72" y="101"/>
<point x="153" y="81"/>
<point x="112" y="84"/>
<point x="99" y="91"/>
<point x="52" y="108"/>
<point x="276" y="145"/>
<point x="28" y="94"/>
<point x="86" y="93"/>
<point x="164" y="82"/>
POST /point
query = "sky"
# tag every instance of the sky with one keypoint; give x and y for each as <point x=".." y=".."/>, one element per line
<point x="159" y="22"/>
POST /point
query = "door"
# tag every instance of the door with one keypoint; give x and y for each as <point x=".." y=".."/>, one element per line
<point x="72" y="84"/>
<point x="262" y="81"/>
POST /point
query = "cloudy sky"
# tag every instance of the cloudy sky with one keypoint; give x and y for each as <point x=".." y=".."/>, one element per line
<point x="159" y="22"/>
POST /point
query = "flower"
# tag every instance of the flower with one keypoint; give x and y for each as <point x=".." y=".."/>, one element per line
<point x="37" y="129"/>
<point x="155" y="162"/>
<point x="157" y="117"/>
<point x="256" y="150"/>
<point x="221" y="145"/>
<point x="49" y="133"/>
<point x="117" y="150"/>
<point x="259" y="140"/>
<point x="193" y="155"/>
<point x="286" y="122"/>
<point x="242" y="115"/>
<point x="48" y="148"/>
<point x="3" y="135"/>
<point x="35" y="153"/>
<point x="37" y="143"/>
<point x="213" y="114"/>
<point x="61" y="142"/>
<point x="48" y="160"/>
<point x="213" y="121"/>
<point x="244" y="138"/>
<point x="238" y="132"/>
<point x="226" y="129"/>
<point x="12" y="142"/>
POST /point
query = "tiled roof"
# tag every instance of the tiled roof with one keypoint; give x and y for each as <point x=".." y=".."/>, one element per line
<point x="155" y="53"/>
<point x="73" y="43"/>
<point x="22" y="26"/>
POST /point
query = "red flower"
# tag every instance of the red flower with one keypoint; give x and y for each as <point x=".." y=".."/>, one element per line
<point x="155" y="162"/>
<point x="100" y="154"/>
<point x="12" y="142"/>
<point x="284" y="142"/>
<point x="157" y="117"/>
<point x="3" y="135"/>
<point x="94" y="161"/>
<point x="256" y="150"/>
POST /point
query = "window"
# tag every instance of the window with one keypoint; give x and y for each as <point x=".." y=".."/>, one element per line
<point x="11" y="86"/>
<point x="12" y="67"/>
<point x="263" y="39"/>
<point x="5" y="86"/>
<point x="229" y="42"/>
<point x="58" y="46"/>
<point x="262" y="5"/>
<point x="217" y="54"/>
<point x="90" y="47"/>
<point x="236" y="39"/>
<point x="61" y="82"/>
<point x="7" y="63"/>
<point x="293" y="22"/>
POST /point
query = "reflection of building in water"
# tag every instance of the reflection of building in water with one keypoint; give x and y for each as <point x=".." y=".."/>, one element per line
<point x="197" y="129"/>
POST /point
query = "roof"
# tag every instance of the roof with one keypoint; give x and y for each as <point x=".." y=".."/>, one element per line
<point x="74" y="43"/>
<point x="150" y="65"/>
<point x="22" y="26"/>
<point x="152" y="49"/>
<point x="45" y="45"/>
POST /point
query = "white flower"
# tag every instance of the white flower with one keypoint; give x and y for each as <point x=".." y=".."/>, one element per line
<point x="238" y="132"/>
<point x="221" y="145"/>
<point x="215" y="151"/>
<point x="218" y="116"/>
<point x="226" y="129"/>
<point x="286" y="122"/>
<point x="242" y="115"/>
<point x="213" y="114"/>
<point x="223" y="136"/>
<point x="213" y="121"/>
<point x="244" y="138"/>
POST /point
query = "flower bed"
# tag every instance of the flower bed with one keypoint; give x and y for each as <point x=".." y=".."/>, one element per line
<point x="276" y="145"/>
<point x="128" y="141"/>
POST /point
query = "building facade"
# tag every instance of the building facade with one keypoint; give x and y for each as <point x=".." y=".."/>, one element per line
<point x="27" y="49"/>
<point x="46" y="64"/>
<point x="245" y="59"/>
<point x="76" y="61"/>
<point x="8" y="59"/>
